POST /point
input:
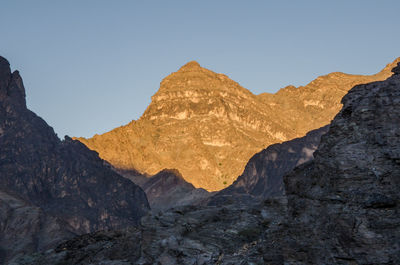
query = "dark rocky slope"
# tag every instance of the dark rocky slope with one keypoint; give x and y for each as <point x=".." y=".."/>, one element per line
<point x="25" y="228"/>
<point x="262" y="177"/>
<point x="64" y="180"/>
<point x="344" y="207"/>
<point x="169" y="189"/>
<point x="185" y="235"/>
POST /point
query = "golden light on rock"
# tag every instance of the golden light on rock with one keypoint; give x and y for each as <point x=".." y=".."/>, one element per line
<point x="207" y="126"/>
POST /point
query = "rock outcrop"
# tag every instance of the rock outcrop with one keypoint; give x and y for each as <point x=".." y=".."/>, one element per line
<point x="58" y="180"/>
<point x="199" y="115"/>
<point x="344" y="206"/>
<point x="263" y="175"/>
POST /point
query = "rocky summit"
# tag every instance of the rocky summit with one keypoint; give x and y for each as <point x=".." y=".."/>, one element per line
<point x="52" y="189"/>
<point x="340" y="208"/>
<point x="207" y="126"/>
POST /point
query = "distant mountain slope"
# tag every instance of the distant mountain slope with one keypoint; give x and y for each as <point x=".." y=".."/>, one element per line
<point x="208" y="126"/>
<point x="61" y="180"/>
<point x="168" y="189"/>
<point x="263" y="175"/>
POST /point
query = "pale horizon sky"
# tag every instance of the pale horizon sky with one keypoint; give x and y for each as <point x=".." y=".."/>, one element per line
<point x="90" y="66"/>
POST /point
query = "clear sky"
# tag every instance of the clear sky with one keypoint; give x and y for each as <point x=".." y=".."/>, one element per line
<point x="90" y="66"/>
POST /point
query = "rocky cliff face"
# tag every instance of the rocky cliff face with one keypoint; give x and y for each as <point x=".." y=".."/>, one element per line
<point x="263" y="175"/>
<point x="198" y="115"/>
<point x="344" y="206"/>
<point x="60" y="180"/>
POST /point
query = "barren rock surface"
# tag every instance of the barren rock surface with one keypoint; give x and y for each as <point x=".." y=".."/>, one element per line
<point x="198" y="115"/>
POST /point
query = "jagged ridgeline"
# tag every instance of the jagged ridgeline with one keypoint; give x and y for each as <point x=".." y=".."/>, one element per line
<point x="208" y="126"/>
<point x="51" y="189"/>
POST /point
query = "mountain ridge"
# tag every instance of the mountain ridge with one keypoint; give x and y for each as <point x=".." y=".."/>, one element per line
<point x="222" y="123"/>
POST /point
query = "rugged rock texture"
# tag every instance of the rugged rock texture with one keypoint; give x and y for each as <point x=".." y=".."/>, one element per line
<point x="62" y="179"/>
<point x="198" y="115"/>
<point x="168" y="189"/>
<point x="185" y="235"/>
<point x="345" y="205"/>
<point x="25" y="228"/>
<point x="263" y="175"/>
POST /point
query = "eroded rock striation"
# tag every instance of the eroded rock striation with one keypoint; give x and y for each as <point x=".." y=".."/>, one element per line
<point x="199" y="115"/>
<point x="344" y="206"/>
<point x="53" y="181"/>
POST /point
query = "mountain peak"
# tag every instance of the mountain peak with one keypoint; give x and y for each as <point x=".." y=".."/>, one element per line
<point x="192" y="65"/>
<point x="4" y="62"/>
<point x="200" y="115"/>
<point x="5" y="73"/>
<point x="11" y="85"/>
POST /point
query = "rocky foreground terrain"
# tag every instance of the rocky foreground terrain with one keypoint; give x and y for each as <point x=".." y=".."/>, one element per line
<point x="199" y="115"/>
<point x="50" y="189"/>
<point x="341" y="208"/>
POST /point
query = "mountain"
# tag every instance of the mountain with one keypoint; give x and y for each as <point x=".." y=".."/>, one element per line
<point x="340" y="208"/>
<point x="61" y="186"/>
<point x="262" y="177"/>
<point x="207" y="126"/>
<point x="168" y="189"/>
<point x="344" y="205"/>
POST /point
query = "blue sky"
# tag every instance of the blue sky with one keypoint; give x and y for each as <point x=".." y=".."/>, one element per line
<point x="90" y="66"/>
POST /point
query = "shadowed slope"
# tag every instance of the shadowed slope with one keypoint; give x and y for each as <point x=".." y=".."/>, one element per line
<point x="169" y="189"/>
<point x="64" y="179"/>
